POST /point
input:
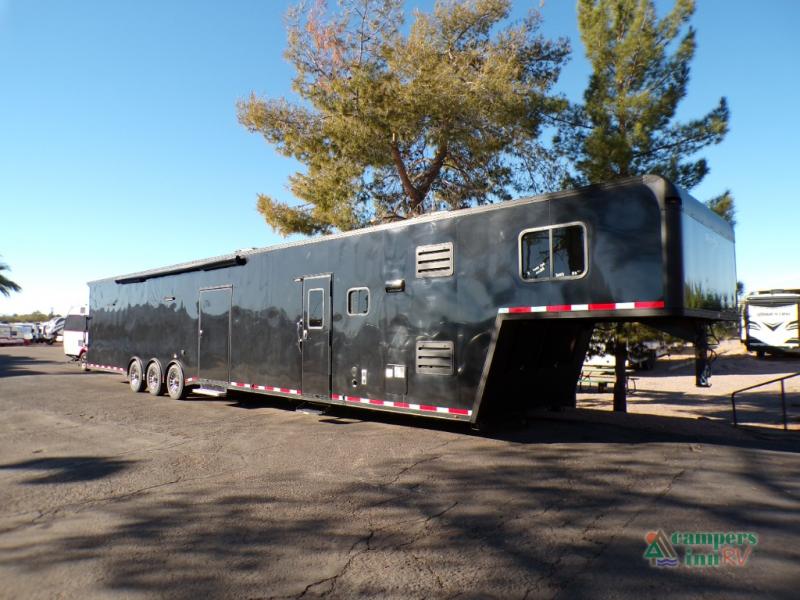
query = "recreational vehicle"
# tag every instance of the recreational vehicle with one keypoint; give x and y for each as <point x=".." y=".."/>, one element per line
<point x="76" y="337"/>
<point x="457" y="314"/>
<point x="769" y="322"/>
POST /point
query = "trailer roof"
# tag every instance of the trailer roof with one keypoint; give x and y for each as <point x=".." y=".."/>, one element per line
<point x="240" y="256"/>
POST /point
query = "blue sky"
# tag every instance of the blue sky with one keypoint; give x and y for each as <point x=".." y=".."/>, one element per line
<point x="120" y="149"/>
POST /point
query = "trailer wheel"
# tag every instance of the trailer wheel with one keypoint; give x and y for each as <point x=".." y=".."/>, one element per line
<point x="176" y="384"/>
<point x="155" y="382"/>
<point x="135" y="379"/>
<point x="84" y="362"/>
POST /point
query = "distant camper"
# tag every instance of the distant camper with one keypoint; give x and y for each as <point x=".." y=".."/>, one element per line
<point x="458" y="315"/>
<point x="769" y="322"/>
<point x="76" y="337"/>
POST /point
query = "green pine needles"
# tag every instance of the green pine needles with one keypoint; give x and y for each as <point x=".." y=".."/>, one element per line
<point x="640" y="71"/>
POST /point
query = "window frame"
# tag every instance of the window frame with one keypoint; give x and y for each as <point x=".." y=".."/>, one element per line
<point x="347" y="302"/>
<point x="308" y="308"/>
<point x="549" y="229"/>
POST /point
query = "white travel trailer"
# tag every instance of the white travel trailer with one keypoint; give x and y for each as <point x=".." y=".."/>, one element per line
<point x="769" y="322"/>
<point x="76" y="337"/>
<point x="5" y="335"/>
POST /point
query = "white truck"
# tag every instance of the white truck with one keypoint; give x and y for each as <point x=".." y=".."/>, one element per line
<point x="769" y="322"/>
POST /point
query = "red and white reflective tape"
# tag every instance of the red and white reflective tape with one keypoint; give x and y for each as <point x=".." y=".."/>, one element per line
<point x="107" y="368"/>
<point x="581" y="307"/>
<point x="191" y="379"/>
<point x="266" y="388"/>
<point x="404" y="405"/>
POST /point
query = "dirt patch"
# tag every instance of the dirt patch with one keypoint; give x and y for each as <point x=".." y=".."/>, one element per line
<point x="669" y="390"/>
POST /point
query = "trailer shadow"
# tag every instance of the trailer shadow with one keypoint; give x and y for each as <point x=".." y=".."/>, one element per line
<point x="16" y="365"/>
<point x="582" y="425"/>
<point x="69" y="469"/>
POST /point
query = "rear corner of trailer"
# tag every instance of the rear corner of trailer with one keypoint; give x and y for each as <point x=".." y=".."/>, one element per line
<point x="700" y="256"/>
<point x="98" y="329"/>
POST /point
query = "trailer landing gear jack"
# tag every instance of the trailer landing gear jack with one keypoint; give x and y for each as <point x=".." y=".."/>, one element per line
<point x="703" y="357"/>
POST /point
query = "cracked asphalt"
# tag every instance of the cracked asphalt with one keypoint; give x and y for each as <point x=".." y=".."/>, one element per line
<point x="109" y="494"/>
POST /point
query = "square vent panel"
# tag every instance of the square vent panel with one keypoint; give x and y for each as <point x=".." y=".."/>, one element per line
<point x="435" y="260"/>
<point x="435" y="358"/>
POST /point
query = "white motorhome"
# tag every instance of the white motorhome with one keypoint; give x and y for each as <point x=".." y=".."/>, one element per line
<point x="769" y="322"/>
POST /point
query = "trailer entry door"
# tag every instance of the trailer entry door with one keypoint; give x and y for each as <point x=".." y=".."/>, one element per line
<point x="214" y="334"/>
<point x="317" y="336"/>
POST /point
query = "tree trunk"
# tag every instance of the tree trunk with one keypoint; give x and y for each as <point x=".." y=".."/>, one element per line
<point x="621" y="358"/>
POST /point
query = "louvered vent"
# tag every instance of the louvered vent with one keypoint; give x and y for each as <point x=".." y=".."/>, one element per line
<point x="435" y="260"/>
<point x="435" y="358"/>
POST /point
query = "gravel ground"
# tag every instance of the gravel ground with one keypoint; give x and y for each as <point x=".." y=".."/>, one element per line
<point x="669" y="389"/>
<point x="109" y="494"/>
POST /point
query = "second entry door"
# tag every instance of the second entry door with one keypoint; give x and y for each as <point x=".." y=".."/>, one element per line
<point x="214" y="332"/>
<point x="317" y="336"/>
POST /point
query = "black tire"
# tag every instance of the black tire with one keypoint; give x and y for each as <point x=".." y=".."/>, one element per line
<point x="760" y="354"/>
<point x="135" y="375"/>
<point x="176" y="382"/>
<point x="155" y="380"/>
<point x="82" y="359"/>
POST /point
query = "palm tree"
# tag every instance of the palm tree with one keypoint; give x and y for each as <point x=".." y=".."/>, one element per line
<point x="6" y="285"/>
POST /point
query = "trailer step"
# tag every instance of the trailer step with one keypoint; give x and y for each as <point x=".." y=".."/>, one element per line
<point x="310" y="410"/>
<point x="210" y="391"/>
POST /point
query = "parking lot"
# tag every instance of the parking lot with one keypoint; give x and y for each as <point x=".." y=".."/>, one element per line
<point x="106" y="493"/>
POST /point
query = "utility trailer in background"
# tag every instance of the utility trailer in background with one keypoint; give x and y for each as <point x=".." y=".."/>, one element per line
<point x="769" y="322"/>
<point x="459" y="315"/>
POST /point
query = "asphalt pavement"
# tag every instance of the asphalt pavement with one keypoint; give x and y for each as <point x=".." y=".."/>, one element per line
<point x="109" y="494"/>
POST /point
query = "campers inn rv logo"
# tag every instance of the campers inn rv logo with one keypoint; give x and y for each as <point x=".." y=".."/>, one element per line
<point x="701" y="549"/>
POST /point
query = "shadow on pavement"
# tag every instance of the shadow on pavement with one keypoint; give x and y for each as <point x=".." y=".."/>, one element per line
<point x="525" y="524"/>
<point x="12" y="365"/>
<point x="69" y="469"/>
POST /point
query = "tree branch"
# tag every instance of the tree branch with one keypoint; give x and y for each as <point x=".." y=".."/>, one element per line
<point x="412" y="192"/>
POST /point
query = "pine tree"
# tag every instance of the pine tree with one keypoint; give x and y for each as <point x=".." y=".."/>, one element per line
<point x="724" y="206"/>
<point x="640" y="71"/>
<point x="391" y="126"/>
<point x="626" y="125"/>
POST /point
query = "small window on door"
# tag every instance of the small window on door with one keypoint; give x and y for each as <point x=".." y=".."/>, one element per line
<point x="316" y="308"/>
<point x="357" y="301"/>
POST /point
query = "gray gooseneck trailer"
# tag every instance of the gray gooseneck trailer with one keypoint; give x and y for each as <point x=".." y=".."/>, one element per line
<point x="459" y="314"/>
